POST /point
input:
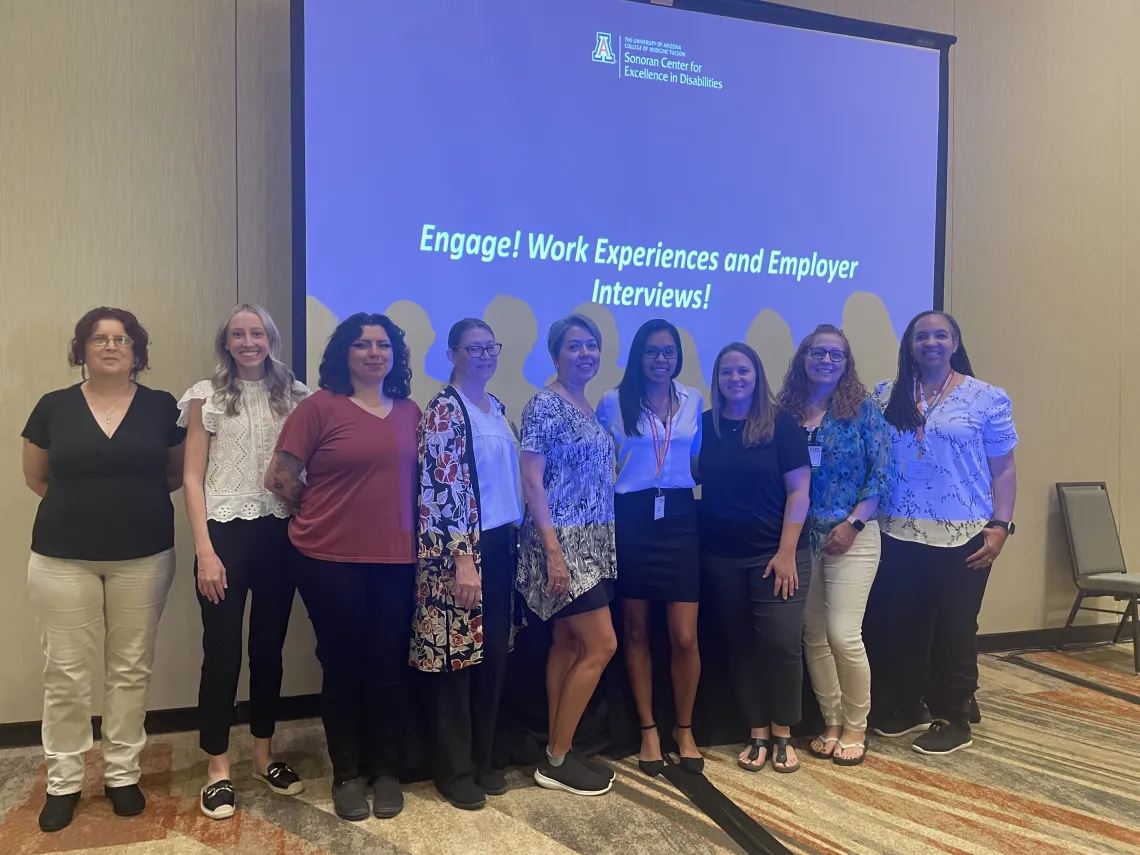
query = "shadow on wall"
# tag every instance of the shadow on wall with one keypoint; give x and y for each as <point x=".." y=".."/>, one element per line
<point x="419" y="336"/>
<point x="865" y="321"/>
<point x="516" y="329"/>
<point x="771" y="338"/>
<point x="867" y="325"/>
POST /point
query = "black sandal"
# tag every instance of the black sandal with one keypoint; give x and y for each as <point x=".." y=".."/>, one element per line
<point x="755" y="745"/>
<point x="780" y="755"/>
<point x="652" y="768"/>
<point x="696" y="765"/>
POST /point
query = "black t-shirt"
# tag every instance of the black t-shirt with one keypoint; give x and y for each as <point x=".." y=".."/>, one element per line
<point x="742" y="489"/>
<point x="107" y="497"/>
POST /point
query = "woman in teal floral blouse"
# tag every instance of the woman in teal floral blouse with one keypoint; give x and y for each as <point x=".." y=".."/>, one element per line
<point x="852" y="467"/>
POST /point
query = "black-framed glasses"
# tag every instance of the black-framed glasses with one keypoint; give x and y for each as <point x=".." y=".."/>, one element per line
<point x="821" y="353"/>
<point x="652" y="353"/>
<point x="477" y="350"/>
<point x="121" y="342"/>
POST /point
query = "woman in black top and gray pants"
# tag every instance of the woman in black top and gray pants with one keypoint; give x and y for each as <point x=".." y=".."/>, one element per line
<point x="103" y="456"/>
<point x="755" y="474"/>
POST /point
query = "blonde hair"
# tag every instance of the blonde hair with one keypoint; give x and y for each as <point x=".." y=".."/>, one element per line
<point x="279" y="377"/>
<point x="760" y="426"/>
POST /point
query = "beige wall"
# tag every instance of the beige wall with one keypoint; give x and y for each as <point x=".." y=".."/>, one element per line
<point x="145" y="162"/>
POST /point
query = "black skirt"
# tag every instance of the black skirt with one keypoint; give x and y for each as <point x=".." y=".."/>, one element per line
<point x="657" y="560"/>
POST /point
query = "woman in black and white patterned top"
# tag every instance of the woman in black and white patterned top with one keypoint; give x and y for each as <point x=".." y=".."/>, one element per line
<point x="567" y="557"/>
<point x="241" y="543"/>
<point x="945" y="524"/>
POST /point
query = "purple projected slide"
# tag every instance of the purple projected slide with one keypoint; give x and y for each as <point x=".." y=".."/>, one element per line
<point x="645" y="161"/>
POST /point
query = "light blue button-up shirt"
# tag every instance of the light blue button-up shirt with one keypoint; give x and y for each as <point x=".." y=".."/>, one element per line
<point x="636" y="455"/>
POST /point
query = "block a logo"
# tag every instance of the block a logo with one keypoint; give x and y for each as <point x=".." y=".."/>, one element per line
<point x="604" y="49"/>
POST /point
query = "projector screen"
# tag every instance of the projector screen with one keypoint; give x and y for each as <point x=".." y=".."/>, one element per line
<point x="517" y="160"/>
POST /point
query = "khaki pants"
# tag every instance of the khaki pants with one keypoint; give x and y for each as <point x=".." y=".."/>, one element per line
<point x="81" y="603"/>
<point x="833" y="629"/>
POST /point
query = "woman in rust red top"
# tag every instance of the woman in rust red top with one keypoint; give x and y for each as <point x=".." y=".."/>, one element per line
<point x="355" y="440"/>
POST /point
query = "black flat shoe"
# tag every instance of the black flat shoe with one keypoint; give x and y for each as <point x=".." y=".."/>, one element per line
<point x="652" y="768"/>
<point x="350" y="801"/>
<point x="464" y="794"/>
<point x="696" y="765"/>
<point x="58" y="812"/>
<point x="126" y="801"/>
<point x="387" y="797"/>
<point x="493" y="782"/>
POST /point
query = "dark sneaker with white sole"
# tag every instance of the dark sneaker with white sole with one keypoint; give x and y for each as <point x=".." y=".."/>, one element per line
<point x="217" y="800"/>
<point x="899" y="724"/>
<point x="349" y="800"/>
<point x="58" y="812"/>
<point x="944" y="737"/>
<point x="281" y="778"/>
<point x="596" y="766"/>
<point x="571" y="777"/>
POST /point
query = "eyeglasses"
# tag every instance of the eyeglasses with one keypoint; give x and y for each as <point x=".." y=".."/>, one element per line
<point x="821" y="353"/>
<point x="121" y="342"/>
<point x="477" y="350"/>
<point x="652" y="353"/>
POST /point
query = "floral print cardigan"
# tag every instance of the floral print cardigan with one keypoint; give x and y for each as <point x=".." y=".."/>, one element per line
<point x="445" y="636"/>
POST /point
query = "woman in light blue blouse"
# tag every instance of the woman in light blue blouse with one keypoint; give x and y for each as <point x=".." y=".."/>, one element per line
<point x="656" y="425"/>
<point x="852" y="468"/>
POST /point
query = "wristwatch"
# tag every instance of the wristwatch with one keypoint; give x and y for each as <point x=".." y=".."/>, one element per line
<point x="1009" y="527"/>
<point x="856" y="523"/>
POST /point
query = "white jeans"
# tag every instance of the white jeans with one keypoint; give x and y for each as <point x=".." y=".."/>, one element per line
<point x="80" y="604"/>
<point x="833" y="629"/>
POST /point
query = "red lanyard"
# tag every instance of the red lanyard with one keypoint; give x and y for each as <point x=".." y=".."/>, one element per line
<point x="661" y="450"/>
<point x="926" y="409"/>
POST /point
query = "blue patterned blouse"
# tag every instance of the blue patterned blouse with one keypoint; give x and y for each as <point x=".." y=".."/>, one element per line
<point x="856" y="462"/>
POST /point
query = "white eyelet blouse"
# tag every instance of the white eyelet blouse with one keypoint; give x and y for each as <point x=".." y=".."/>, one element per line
<point x="241" y="446"/>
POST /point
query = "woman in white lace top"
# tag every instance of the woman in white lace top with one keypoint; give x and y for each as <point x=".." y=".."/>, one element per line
<point x="241" y="543"/>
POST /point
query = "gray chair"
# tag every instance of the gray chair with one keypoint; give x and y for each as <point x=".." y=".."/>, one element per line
<point x="1096" y="557"/>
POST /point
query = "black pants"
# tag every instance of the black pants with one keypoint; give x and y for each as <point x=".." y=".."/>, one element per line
<point x="362" y="617"/>
<point x="763" y="634"/>
<point x="260" y="560"/>
<point x="926" y="619"/>
<point x="467" y="700"/>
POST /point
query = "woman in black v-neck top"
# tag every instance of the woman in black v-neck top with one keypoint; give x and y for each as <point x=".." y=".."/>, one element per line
<point x="103" y="456"/>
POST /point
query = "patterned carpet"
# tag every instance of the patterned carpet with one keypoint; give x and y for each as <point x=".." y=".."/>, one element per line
<point x="1055" y="770"/>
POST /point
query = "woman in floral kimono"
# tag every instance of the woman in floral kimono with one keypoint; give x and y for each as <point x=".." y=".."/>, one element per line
<point x="469" y="512"/>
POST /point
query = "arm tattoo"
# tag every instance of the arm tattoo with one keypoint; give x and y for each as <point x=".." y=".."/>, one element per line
<point x="284" y="477"/>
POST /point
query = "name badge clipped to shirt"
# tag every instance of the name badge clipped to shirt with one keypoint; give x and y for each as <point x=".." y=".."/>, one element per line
<point x="659" y="506"/>
<point x="919" y="471"/>
<point x="816" y="454"/>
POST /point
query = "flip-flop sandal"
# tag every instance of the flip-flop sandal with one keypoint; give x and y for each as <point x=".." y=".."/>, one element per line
<point x="780" y="755"/>
<point x="755" y="745"/>
<point x="822" y="755"/>
<point x="850" y="761"/>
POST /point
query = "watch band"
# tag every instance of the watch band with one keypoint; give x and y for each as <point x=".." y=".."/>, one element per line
<point x="1009" y="527"/>
<point x="856" y="523"/>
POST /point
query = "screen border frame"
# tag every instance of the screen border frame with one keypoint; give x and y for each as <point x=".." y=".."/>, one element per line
<point x="749" y="10"/>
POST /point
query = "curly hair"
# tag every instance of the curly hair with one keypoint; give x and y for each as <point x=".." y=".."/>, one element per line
<point x="850" y="393"/>
<point x="85" y="328"/>
<point x="334" y="374"/>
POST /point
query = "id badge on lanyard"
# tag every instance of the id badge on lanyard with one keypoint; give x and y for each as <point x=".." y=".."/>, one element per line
<point x="660" y="451"/>
<point x="919" y="471"/>
<point x="815" y="450"/>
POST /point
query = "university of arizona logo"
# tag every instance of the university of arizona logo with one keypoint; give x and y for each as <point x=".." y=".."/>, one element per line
<point x="604" y="49"/>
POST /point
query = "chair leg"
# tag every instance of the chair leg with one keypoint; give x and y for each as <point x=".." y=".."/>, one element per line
<point x="1135" y="636"/>
<point x="1076" y="608"/>
<point x="1123" y="620"/>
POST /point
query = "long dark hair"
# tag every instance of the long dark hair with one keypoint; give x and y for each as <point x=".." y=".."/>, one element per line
<point x="901" y="412"/>
<point x="334" y="361"/>
<point x="631" y="390"/>
<point x="760" y="426"/>
<point x="850" y="393"/>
